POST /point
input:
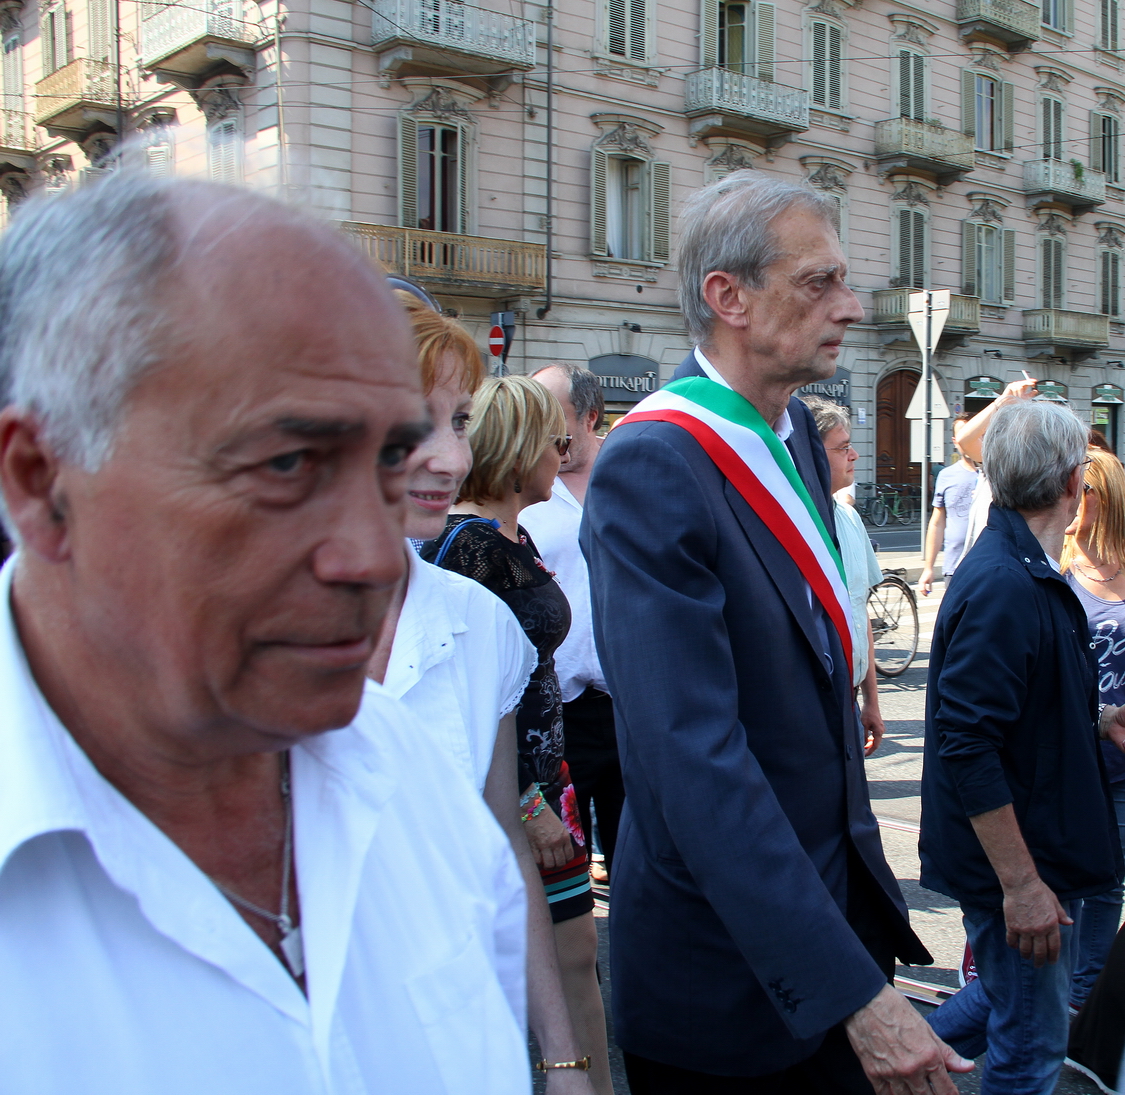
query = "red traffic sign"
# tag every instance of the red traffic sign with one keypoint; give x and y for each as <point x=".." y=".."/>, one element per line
<point x="496" y="341"/>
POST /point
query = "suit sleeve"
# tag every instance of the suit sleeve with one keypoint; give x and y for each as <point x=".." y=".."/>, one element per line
<point x="651" y="541"/>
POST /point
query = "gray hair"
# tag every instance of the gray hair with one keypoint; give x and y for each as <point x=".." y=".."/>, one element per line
<point x="828" y="414"/>
<point x="727" y="226"/>
<point x="585" y="389"/>
<point x="1030" y="450"/>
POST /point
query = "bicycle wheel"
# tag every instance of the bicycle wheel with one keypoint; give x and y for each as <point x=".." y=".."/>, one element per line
<point x="878" y="513"/>
<point x="907" y="512"/>
<point x="893" y="611"/>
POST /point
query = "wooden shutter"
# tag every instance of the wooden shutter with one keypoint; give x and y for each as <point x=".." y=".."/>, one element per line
<point x="1007" y="117"/>
<point x="919" y="87"/>
<point x="464" y="162"/>
<point x="1115" y="284"/>
<point x="1111" y="128"/>
<point x="61" y="28"/>
<point x="826" y="65"/>
<point x="618" y="28"/>
<point x="1097" y="160"/>
<point x="222" y="151"/>
<point x="637" y="31"/>
<point x="13" y="72"/>
<point x="968" y="103"/>
<point x="1008" y="265"/>
<point x="1052" y="273"/>
<point x="969" y="283"/>
<point x="709" y="33"/>
<point x="599" y="167"/>
<point x="765" y="18"/>
<point x="911" y="85"/>
<point x="1108" y="38"/>
<point x="660" y="215"/>
<point x="158" y="158"/>
<point x="1053" y="144"/>
<point x="911" y="248"/>
<point x="407" y="171"/>
<point x="99" y="30"/>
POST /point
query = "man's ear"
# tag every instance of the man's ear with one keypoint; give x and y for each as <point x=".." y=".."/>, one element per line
<point x="726" y="297"/>
<point x="29" y="479"/>
<point x="592" y="417"/>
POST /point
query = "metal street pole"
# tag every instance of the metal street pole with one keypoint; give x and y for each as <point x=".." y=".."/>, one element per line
<point x="928" y="395"/>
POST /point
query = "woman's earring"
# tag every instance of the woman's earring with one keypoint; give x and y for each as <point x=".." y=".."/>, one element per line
<point x="518" y="486"/>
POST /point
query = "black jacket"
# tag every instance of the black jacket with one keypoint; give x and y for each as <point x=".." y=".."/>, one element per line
<point x="1011" y="717"/>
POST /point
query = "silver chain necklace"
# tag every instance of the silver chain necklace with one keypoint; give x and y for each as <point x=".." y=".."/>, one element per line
<point x="1095" y="577"/>
<point x="292" y="948"/>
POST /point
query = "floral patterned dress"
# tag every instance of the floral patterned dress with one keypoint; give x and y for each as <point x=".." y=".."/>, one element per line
<point x="515" y="573"/>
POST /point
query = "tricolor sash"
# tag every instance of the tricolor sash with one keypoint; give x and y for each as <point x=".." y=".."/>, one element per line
<point x="758" y="465"/>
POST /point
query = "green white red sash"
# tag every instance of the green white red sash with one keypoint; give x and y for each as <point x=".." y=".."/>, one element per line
<point x="758" y="465"/>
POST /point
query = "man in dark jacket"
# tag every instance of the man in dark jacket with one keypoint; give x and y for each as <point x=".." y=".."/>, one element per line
<point x="1016" y="817"/>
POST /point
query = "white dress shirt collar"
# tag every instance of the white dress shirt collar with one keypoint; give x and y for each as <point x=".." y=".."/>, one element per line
<point x="783" y="427"/>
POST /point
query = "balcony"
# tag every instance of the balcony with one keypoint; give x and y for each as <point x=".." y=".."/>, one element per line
<point x="722" y="102"/>
<point x="186" y="40"/>
<point x="448" y="37"/>
<point x="443" y="258"/>
<point x="891" y="306"/>
<point x="1057" y="333"/>
<point x="75" y="96"/>
<point x="923" y="146"/>
<point x="18" y="137"/>
<point x="1015" y="23"/>
<point x="1057" y="181"/>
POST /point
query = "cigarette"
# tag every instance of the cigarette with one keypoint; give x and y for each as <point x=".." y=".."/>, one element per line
<point x="1025" y="376"/>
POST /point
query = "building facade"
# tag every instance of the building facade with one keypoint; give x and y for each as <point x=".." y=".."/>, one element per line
<point x="526" y="161"/>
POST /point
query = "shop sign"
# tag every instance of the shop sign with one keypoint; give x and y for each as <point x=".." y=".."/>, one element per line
<point x="837" y="387"/>
<point x="1108" y="393"/>
<point x="983" y="387"/>
<point x="1052" y="390"/>
<point x="625" y="378"/>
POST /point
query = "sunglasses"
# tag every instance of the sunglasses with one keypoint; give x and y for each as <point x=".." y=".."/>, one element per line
<point x="562" y="444"/>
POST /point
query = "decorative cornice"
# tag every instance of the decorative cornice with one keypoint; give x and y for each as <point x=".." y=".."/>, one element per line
<point x="911" y="194"/>
<point x="988" y="211"/>
<point x="983" y="57"/>
<point x="11" y="16"/>
<point x="1052" y="79"/>
<point x="732" y="157"/>
<point x="100" y="147"/>
<point x="625" y="138"/>
<point x="826" y="7"/>
<point x="828" y="177"/>
<point x="442" y="104"/>
<point x="1110" y="235"/>
<point x="911" y="28"/>
<point x="14" y="186"/>
<point x="1053" y="225"/>
<point x="1109" y="99"/>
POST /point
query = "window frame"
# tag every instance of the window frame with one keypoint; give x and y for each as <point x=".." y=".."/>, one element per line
<point x="230" y="123"/>
<point x="919" y="80"/>
<point x="1110" y="293"/>
<point x="829" y="28"/>
<point x="1052" y="283"/>
<point x="1109" y="25"/>
<point x="917" y="264"/>
<point x="55" y="38"/>
<point x="1052" y="128"/>
<point x="1105" y="148"/>
<point x="408" y="125"/>
<point x="1003" y="272"/>
<point x="1002" y="113"/>
<point x="635" y="53"/>
<point x="655" y="213"/>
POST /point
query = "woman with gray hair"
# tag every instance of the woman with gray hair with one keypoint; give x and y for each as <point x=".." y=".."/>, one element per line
<point x="861" y="569"/>
<point x="1017" y="821"/>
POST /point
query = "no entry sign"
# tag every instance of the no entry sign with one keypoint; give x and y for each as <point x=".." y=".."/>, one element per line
<point x="496" y="341"/>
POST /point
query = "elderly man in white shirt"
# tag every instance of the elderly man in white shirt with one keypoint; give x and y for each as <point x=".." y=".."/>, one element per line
<point x="202" y="446"/>
<point x="591" y="739"/>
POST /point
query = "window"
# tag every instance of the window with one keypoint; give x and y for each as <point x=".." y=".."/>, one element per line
<point x="910" y="248"/>
<point x="159" y="151"/>
<point x="1056" y="14"/>
<point x="627" y="29"/>
<point x="1108" y="38"/>
<point x="54" y="38"/>
<point x="986" y="111"/>
<point x="1109" y="283"/>
<point x="988" y="262"/>
<point x="739" y="36"/>
<point x="100" y="30"/>
<point x="827" y="66"/>
<point x="1052" y="270"/>
<point x="1105" y="145"/>
<point x="629" y="208"/>
<point x="224" y="151"/>
<point x="911" y="85"/>
<point x="12" y="75"/>
<point x="433" y="175"/>
<point x="1051" y="112"/>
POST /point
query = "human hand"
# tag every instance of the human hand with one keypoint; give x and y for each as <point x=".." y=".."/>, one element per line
<point x="1113" y="726"/>
<point x="926" y="581"/>
<point x="899" y="1051"/>
<point x="549" y="840"/>
<point x="871" y="720"/>
<point x="1032" y="915"/>
<point x="1019" y="389"/>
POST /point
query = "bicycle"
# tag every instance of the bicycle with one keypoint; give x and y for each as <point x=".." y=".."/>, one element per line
<point x="892" y="607"/>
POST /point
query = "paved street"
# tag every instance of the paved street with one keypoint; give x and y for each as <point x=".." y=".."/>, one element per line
<point x="894" y="774"/>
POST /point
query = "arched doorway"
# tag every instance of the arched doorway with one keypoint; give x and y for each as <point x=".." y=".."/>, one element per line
<point x="892" y="429"/>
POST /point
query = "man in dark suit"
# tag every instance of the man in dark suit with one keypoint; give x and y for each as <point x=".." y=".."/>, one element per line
<point x="754" y="920"/>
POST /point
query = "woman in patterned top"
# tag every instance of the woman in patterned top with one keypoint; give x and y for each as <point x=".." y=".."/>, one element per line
<point x="518" y="437"/>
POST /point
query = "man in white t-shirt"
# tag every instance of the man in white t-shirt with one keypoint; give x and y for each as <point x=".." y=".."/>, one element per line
<point x="591" y="739"/>
<point x="953" y="498"/>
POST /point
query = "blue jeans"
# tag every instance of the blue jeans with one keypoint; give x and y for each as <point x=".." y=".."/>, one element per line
<point x="1014" y="1011"/>
<point x="1097" y="922"/>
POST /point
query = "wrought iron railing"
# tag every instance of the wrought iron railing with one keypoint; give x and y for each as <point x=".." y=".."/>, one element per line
<point x="17" y="132"/>
<point x="720" y="89"/>
<point x="84" y="80"/>
<point x="172" y="27"/>
<point x="451" y="258"/>
<point x="1015" y="15"/>
<point x="891" y="306"/>
<point x="450" y="24"/>
<point x="1061" y="177"/>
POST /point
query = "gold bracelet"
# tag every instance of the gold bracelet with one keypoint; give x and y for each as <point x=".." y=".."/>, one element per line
<point x="583" y="1064"/>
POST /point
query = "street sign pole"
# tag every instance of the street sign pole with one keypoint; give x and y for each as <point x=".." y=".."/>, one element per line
<point x="927" y="313"/>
